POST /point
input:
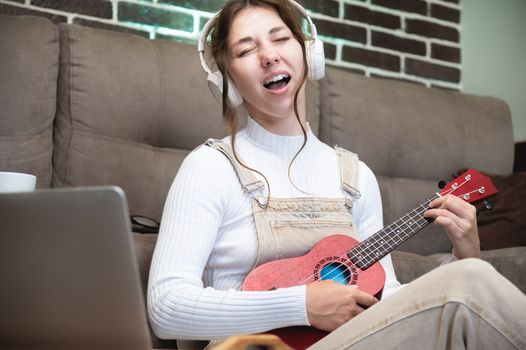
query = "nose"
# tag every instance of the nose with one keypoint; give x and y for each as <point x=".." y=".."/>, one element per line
<point x="269" y="58"/>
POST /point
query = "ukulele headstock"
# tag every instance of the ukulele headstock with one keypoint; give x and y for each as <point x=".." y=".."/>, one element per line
<point x="471" y="186"/>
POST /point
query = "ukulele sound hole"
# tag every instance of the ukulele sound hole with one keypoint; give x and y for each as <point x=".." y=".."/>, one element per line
<point x="337" y="272"/>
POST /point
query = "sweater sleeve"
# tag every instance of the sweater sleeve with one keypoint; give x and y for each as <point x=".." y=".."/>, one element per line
<point x="179" y="306"/>
<point x="368" y="215"/>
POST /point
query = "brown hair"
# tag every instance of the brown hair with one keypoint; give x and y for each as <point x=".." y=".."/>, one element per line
<point x="220" y="30"/>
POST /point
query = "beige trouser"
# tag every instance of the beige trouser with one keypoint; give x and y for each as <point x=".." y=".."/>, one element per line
<point x="462" y="305"/>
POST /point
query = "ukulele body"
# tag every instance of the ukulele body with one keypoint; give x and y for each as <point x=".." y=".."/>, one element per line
<point x="326" y="260"/>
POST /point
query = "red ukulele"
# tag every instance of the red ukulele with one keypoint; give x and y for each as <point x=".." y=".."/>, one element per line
<point x="347" y="261"/>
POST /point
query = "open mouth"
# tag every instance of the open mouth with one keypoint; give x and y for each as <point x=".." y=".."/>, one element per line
<point x="277" y="82"/>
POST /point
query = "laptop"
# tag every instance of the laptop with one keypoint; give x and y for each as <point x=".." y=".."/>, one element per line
<point x="68" y="275"/>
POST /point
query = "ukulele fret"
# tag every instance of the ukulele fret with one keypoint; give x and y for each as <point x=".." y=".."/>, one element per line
<point x="390" y="237"/>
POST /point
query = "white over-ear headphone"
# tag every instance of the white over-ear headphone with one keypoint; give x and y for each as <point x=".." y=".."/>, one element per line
<point x="314" y="52"/>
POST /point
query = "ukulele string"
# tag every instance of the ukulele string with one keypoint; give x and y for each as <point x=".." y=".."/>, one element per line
<point x="454" y="187"/>
<point x="358" y="261"/>
<point x="415" y="217"/>
<point x="367" y="255"/>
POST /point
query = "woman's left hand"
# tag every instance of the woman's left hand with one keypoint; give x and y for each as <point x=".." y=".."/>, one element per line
<point x="459" y="218"/>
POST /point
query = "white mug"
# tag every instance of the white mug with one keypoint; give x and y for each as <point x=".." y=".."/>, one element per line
<point x="17" y="182"/>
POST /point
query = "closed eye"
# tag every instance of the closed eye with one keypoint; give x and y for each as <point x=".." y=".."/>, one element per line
<point x="244" y="52"/>
<point x="283" y="38"/>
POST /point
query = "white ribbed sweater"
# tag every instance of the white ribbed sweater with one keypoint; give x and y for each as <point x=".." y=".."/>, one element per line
<point x="208" y="243"/>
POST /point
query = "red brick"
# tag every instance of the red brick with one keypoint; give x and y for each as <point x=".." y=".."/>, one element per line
<point x="397" y="43"/>
<point x="371" y="58"/>
<point x="330" y="51"/>
<point x="341" y="30"/>
<point x="430" y="29"/>
<point x="445" y="53"/>
<point x="445" y="13"/>
<point x="108" y="26"/>
<point x="431" y="70"/>
<point x="131" y="12"/>
<point x="365" y="15"/>
<point x="327" y="7"/>
<point x="95" y="8"/>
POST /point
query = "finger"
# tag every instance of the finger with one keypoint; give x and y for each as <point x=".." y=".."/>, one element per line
<point x="451" y="222"/>
<point x="437" y="202"/>
<point x="456" y="205"/>
<point x="365" y="299"/>
<point x="464" y="217"/>
<point x="357" y="310"/>
<point x="451" y="226"/>
<point x="460" y="207"/>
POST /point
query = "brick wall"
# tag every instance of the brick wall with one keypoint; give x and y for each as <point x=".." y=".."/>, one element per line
<point x="414" y="40"/>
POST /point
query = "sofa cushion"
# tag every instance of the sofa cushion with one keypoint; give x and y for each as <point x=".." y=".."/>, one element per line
<point x="129" y="110"/>
<point x="402" y="129"/>
<point x="29" y="50"/>
<point x="127" y="114"/>
<point x="505" y="225"/>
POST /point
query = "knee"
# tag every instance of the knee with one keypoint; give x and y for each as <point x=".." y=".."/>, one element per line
<point x="472" y="272"/>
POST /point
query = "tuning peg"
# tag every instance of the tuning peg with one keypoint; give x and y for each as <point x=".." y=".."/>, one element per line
<point x="456" y="174"/>
<point x="486" y="205"/>
<point x="442" y="184"/>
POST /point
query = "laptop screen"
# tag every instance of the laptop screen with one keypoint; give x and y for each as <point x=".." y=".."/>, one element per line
<point x="68" y="271"/>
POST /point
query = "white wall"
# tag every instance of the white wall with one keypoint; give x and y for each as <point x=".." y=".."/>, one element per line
<point x="493" y="40"/>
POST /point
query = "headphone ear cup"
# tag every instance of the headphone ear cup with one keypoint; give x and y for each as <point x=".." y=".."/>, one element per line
<point x="233" y="95"/>
<point x="315" y="59"/>
<point x="215" y="84"/>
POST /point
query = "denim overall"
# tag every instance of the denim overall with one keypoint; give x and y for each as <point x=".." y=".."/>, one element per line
<point x="289" y="227"/>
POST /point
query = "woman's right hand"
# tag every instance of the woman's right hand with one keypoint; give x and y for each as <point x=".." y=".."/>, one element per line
<point x="331" y="304"/>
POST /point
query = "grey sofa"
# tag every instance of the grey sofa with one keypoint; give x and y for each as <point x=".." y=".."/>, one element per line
<point x="82" y="106"/>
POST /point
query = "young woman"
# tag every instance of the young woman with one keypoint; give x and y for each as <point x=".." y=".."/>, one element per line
<point x="272" y="190"/>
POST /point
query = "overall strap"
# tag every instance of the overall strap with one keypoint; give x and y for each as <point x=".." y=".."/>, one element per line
<point x="348" y="164"/>
<point x="248" y="180"/>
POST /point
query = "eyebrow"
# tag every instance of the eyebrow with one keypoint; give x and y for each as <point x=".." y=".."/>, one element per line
<point x="249" y="38"/>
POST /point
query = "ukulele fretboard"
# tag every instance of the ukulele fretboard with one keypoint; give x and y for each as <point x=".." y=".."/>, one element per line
<point x="390" y="237"/>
